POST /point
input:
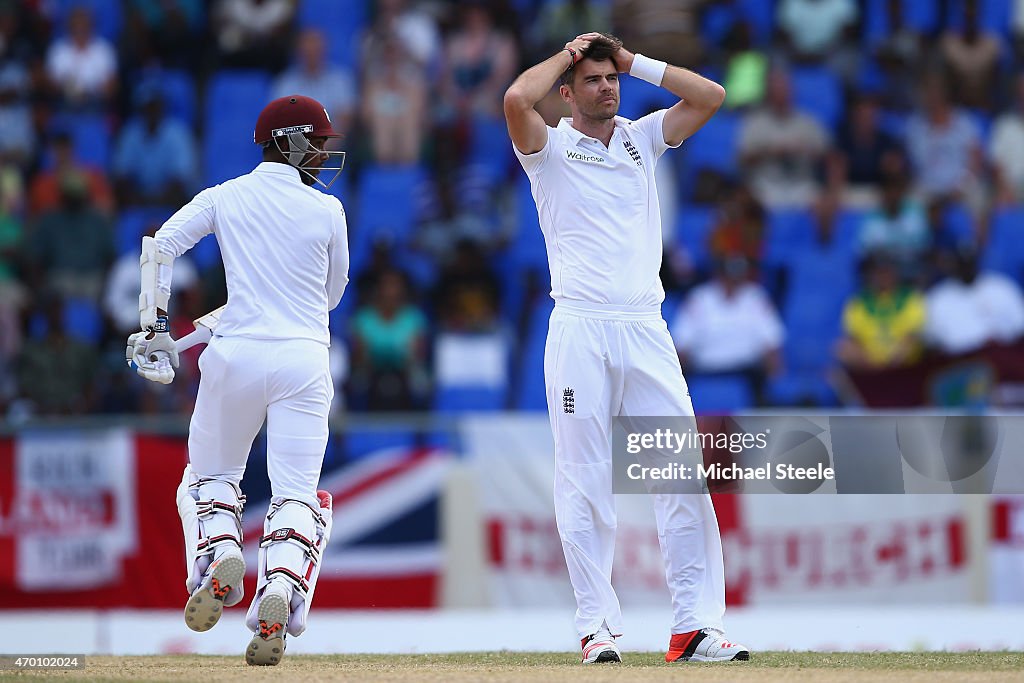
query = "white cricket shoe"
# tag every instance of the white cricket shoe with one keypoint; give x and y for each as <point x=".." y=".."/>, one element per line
<point x="599" y="648"/>
<point x="705" y="645"/>
<point x="267" y="646"/>
<point x="206" y="604"/>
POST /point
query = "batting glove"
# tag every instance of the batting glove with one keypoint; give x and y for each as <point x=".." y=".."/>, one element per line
<point x="153" y="352"/>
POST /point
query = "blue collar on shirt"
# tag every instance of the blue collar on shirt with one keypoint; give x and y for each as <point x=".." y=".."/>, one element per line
<point x="278" y="168"/>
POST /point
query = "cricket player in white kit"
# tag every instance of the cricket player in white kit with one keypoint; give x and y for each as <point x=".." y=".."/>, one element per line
<point x="608" y="349"/>
<point x="285" y="251"/>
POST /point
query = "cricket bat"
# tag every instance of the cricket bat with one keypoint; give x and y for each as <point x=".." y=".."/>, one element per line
<point x="203" y="333"/>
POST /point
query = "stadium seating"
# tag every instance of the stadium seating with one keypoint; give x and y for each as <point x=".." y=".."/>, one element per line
<point x="527" y="249"/>
<point x="462" y="399"/>
<point x="693" y="227"/>
<point x="761" y="14"/>
<point x="530" y="393"/>
<point x="920" y="16"/>
<point x="716" y="146"/>
<point x="384" y="210"/>
<point x="819" y="283"/>
<point x="90" y="135"/>
<point x="179" y="91"/>
<point x="233" y="102"/>
<point x="341" y="21"/>
<point x="818" y="92"/>
<point x="83" y="320"/>
<point x="995" y="15"/>
<point x="107" y="16"/>
<point x="1004" y="251"/>
<point x="719" y="394"/>
<point x="640" y="97"/>
<point x="490" y="149"/>
<point x="787" y="232"/>
<point x="132" y="224"/>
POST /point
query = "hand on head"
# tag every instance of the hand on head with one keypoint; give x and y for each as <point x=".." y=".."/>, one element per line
<point x="622" y="58"/>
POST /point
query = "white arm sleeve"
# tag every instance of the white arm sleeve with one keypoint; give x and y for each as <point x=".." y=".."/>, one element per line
<point x="180" y="233"/>
<point x="337" y="259"/>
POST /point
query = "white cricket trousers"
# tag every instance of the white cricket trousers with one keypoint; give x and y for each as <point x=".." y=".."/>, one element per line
<point x="246" y="381"/>
<point x="616" y="361"/>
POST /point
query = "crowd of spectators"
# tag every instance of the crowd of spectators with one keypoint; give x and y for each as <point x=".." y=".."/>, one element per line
<point x="854" y="203"/>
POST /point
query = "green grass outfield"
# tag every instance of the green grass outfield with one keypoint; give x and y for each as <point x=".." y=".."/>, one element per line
<point x="518" y="666"/>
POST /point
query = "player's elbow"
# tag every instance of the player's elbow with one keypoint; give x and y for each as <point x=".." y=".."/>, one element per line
<point x="716" y="96"/>
<point x="514" y="102"/>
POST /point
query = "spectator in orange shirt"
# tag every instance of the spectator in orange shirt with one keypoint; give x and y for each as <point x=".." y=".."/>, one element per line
<point x="44" y="192"/>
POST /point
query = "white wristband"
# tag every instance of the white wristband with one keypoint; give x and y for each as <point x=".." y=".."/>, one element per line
<point x="647" y="69"/>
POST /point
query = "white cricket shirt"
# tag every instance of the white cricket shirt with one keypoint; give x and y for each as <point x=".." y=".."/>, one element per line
<point x="598" y="210"/>
<point x="284" y="246"/>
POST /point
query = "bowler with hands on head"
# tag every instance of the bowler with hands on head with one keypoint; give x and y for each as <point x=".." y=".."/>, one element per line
<point x="608" y="349"/>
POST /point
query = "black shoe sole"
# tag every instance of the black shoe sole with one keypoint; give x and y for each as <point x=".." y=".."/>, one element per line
<point x="608" y="657"/>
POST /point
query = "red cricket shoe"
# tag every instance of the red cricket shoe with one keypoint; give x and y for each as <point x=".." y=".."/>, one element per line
<point x="705" y="645"/>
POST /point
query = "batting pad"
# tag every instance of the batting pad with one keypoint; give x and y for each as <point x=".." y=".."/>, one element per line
<point x="294" y="537"/>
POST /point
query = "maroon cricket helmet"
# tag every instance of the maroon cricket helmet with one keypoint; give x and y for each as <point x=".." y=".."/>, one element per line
<point x="293" y="114"/>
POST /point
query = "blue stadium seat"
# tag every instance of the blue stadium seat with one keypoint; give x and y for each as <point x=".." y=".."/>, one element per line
<point x="90" y="135"/>
<point x="719" y="394"/>
<point x="801" y="388"/>
<point x="132" y="224"/>
<point x="234" y="100"/>
<point x="760" y="13"/>
<point x="342" y="24"/>
<point x="816" y="310"/>
<point x="918" y="15"/>
<point x="107" y="16"/>
<point x="819" y="284"/>
<point x="385" y="209"/>
<point x="818" y="92"/>
<point x="983" y="122"/>
<point x="1004" y="251"/>
<point x="717" y="21"/>
<point x="715" y="146"/>
<point x="788" y="231"/>
<point x="996" y="15"/>
<point x="490" y="148"/>
<point x="527" y="249"/>
<point x="809" y="349"/>
<point x="847" y="229"/>
<point x="83" y="320"/>
<point x="206" y="253"/>
<point x="670" y="306"/>
<point x="957" y="224"/>
<point x="893" y="122"/>
<point x="637" y="97"/>
<point x="530" y="392"/>
<point x="461" y="399"/>
<point x="693" y="227"/>
<point x="179" y="91"/>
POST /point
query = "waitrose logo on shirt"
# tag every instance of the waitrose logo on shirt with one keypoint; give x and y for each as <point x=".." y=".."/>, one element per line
<point x="577" y="156"/>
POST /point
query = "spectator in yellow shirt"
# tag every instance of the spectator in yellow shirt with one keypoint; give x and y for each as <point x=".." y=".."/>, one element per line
<point x="883" y="324"/>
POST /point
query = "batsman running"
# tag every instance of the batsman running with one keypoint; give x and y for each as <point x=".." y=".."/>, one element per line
<point x="285" y="251"/>
<point x="608" y="349"/>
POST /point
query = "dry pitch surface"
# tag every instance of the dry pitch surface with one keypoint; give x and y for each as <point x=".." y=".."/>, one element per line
<point x="764" y="667"/>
